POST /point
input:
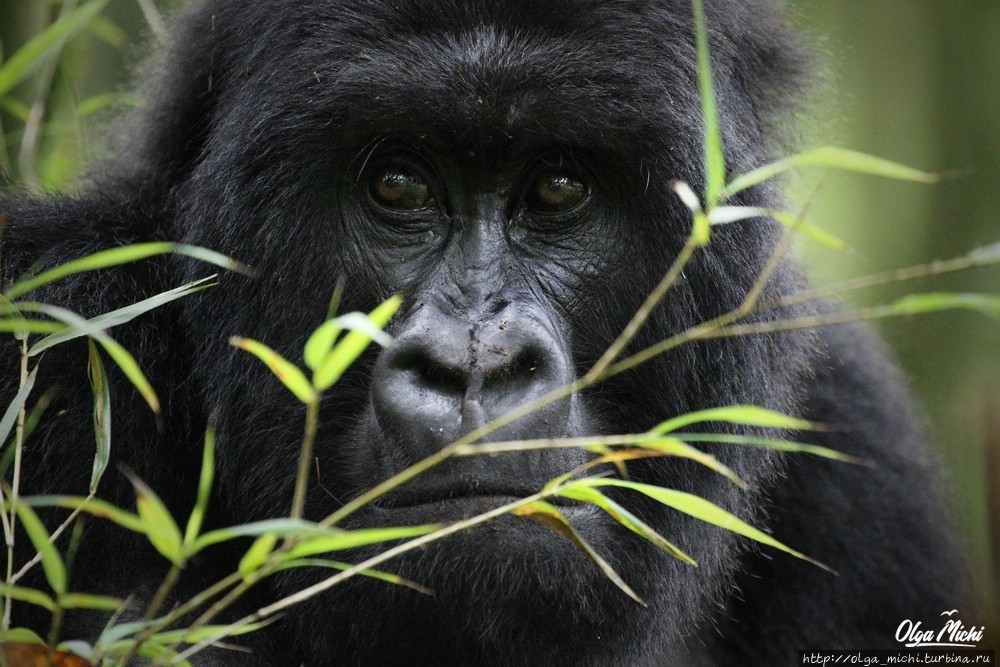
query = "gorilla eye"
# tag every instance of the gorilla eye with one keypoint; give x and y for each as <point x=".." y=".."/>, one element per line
<point x="399" y="189"/>
<point x="555" y="192"/>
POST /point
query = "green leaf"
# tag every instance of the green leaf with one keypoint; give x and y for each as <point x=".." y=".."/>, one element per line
<point x="87" y="601"/>
<point x="576" y="491"/>
<point x="679" y="448"/>
<point x="116" y="256"/>
<point x="321" y="342"/>
<point x="257" y="554"/>
<point x="130" y="368"/>
<point x="125" y="361"/>
<point x="18" y="325"/>
<point x="92" y="506"/>
<point x="929" y="302"/>
<point x="289" y="374"/>
<point x="119" y="316"/>
<point x="21" y="635"/>
<point x="201" y="633"/>
<point x="701" y="509"/>
<point x="285" y="528"/>
<point x="797" y="224"/>
<point x="29" y="595"/>
<point x="52" y="562"/>
<point x="349" y="539"/>
<point x="353" y="344"/>
<point x="747" y="415"/>
<point x="776" y="444"/>
<point x="160" y="654"/>
<point x="204" y="488"/>
<point x="393" y="579"/>
<point x="20" y="398"/>
<point x="45" y="45"/>
<point x="548" y="515"/>
<point x="158" y="524"/>
<point x="102" y="414"/>
<point x="835" y="158"/>
<point x="714" y="158"/>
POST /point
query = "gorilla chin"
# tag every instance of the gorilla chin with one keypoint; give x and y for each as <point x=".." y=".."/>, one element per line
<point x="506" y="166"/>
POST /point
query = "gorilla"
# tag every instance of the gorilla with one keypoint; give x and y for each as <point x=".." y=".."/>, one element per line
<point x="506" y="166"/>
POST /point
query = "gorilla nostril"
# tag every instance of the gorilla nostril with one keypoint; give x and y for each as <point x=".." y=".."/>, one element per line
<point x="519" y="371"/>
<point x="430" y="373"/>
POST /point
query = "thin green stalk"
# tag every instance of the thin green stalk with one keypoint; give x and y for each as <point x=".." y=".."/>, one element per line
<point x="305" y="458"/>
<point x="15" y="486"/>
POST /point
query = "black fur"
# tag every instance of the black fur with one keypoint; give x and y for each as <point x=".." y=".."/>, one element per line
<point x="262" y="128"/>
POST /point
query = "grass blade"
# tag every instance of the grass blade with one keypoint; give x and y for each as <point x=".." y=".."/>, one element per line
<point x="576" y="491"/>
<point x="834" y="158"/>
<point x="52" y="562"/>
<point x="746" y="415"/>
<point x="14" y="407"/>
<point x="715" y="161"/>
<point x="286" y="372"/>
<point x="548" y="515"/>
<point x="102" y="414"/>
<point x="204" y="488"/>
<point x="703" y="510"/>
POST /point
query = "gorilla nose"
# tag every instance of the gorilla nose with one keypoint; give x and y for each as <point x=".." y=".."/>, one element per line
<point x="443" y="378"/>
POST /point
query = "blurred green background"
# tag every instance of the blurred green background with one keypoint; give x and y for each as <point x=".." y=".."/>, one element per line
<point x="917" y="81"/>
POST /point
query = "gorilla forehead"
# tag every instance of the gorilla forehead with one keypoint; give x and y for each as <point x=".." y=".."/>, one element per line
<point x="574" y="73"/>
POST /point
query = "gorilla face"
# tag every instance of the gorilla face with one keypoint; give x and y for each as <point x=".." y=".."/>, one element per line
<point x="506" y="168"/>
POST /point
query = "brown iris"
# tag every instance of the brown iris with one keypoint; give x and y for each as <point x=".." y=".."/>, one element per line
<point x="555" y="192"/>
<point x="399" y="189"/>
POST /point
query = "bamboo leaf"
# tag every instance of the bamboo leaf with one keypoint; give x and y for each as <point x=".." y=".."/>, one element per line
<point x="284" y="528"/>
<point x="101" y="414"/>
<point x="120" y="316"/>
<point x="714" y="158"/>
<point x="104" y="259"/>
<point x="929" y="302"/>
<point x="746" y="415"/>
<point x="701" y="509"/>
<point x="14" y="407"/>
<point x="21" y="635"/>
<point x="835" y="158"/>
<point x="321" y="342"/>
<point x="393" y="579"/>
<point x="52" y="562"/>
<point x="776" y="444"/>
<point x="349" y="539"/>
<point x="257" y="554"/>
<point x="87" y="601"/>
<point x="286" y="372"/>
<point x="576" y="491"/>
<point x="352" y="345"/>
<point x="92" y="506"/>
<point x="549" y="516"/>
<point x="29" y="595"/>
<point x="158" y="524"/>
<point x="679" y="448"/>
<point x="204" y="488"/>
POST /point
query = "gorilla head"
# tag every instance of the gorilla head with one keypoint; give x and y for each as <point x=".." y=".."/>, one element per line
<point x="505" y="166"/>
